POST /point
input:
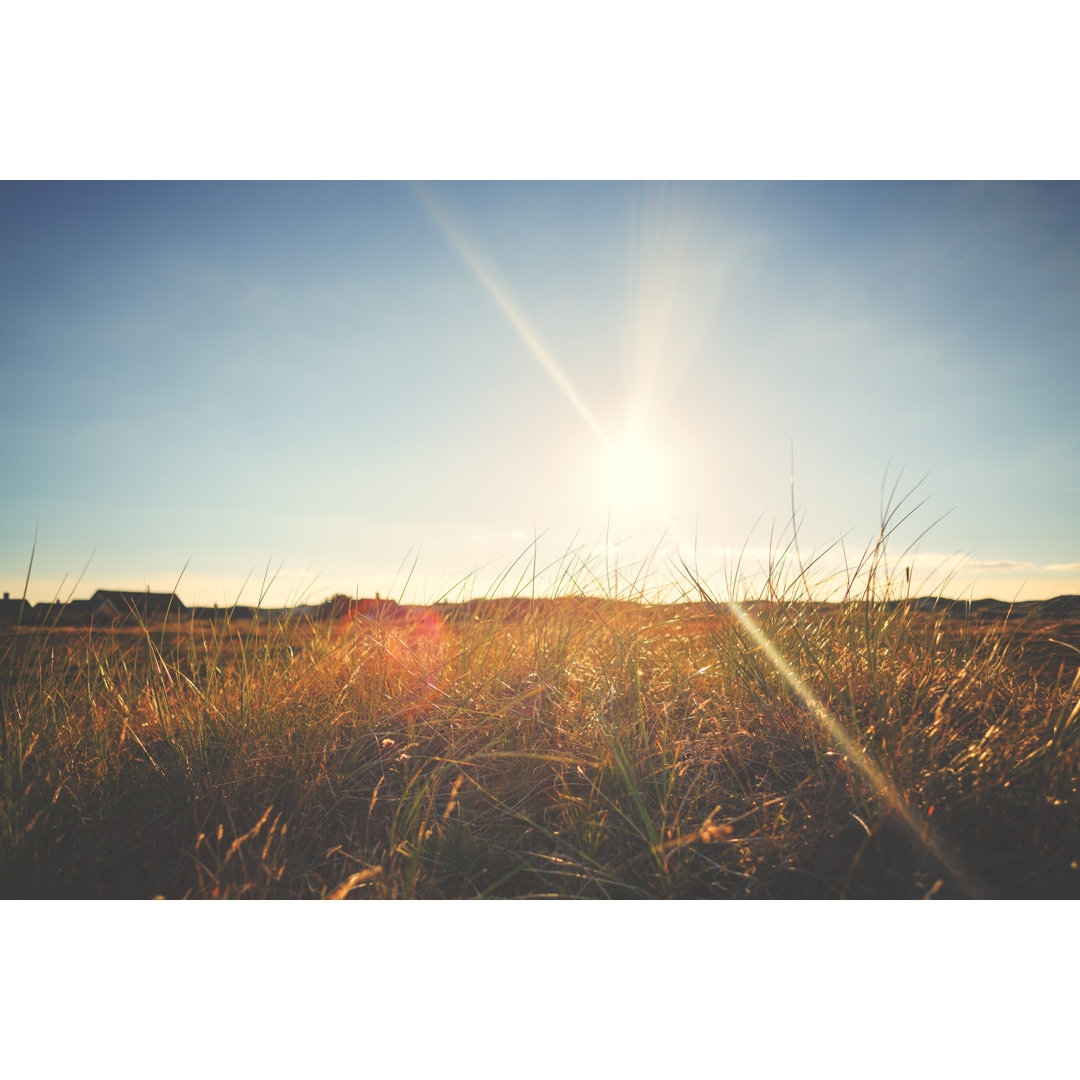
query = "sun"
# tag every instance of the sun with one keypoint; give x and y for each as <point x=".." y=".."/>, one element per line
<point x="634" y="474"/>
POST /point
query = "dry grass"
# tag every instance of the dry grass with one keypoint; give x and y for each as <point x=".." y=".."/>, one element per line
<point x="578" y="747"/>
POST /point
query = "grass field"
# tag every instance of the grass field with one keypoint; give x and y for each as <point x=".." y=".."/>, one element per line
<point x="575" y="747"/>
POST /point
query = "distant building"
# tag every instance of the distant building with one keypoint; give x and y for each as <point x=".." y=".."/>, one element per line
<point x="10" y="610"/>
<point x="78" y="611"/>
<point x="119" y="604"/>
<point x="377" y="609"/>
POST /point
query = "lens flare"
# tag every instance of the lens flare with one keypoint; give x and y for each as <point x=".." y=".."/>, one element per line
<point x="410" y="643"/>
<point x="501" y="297"/>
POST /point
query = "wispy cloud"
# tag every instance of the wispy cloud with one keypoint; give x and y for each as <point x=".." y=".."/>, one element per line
<point x="997" y="564"/>
<point x="957" y="561"/>
<point x="1063" y="566"/>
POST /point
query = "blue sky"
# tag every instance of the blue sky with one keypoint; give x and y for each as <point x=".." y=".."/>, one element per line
<point x="337" y="379"/>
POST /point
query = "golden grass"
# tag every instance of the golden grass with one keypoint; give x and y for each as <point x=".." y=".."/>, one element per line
<point x="578" y="747"/>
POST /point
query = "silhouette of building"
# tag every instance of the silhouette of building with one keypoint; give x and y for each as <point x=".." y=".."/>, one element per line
<point x="119" y="604"/>
<point x="10" y="610"/>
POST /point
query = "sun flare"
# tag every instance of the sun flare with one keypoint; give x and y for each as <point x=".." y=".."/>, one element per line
<point x="634" y="475"/>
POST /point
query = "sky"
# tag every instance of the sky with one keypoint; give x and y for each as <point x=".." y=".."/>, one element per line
<point x="291" y="390"/>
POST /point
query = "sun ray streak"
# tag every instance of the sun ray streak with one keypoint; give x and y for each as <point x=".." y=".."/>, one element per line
<point x="835" y="729"/>
<point x="852" y="751"/>
<point x="512" y="313"/>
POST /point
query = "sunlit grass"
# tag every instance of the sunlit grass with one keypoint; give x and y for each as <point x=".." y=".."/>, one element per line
<point x="572" y="746"/>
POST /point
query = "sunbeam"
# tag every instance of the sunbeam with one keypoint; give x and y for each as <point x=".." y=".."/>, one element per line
<point x="512" y="313"/>
<point x="855" y="755"/>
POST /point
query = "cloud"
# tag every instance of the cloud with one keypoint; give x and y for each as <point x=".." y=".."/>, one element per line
<point x="1063" y="566"/>
<point x="996" y="564"/>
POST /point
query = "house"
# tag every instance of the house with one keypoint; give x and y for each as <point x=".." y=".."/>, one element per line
<point x="377" y="609"/>
<point x="12" y="610"/>
<point x="57" y="612"/>
<point x="76" y="611"/>
<point x="119" y="604"/>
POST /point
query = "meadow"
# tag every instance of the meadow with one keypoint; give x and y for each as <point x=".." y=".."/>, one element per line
<point x="577" y="745"/>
